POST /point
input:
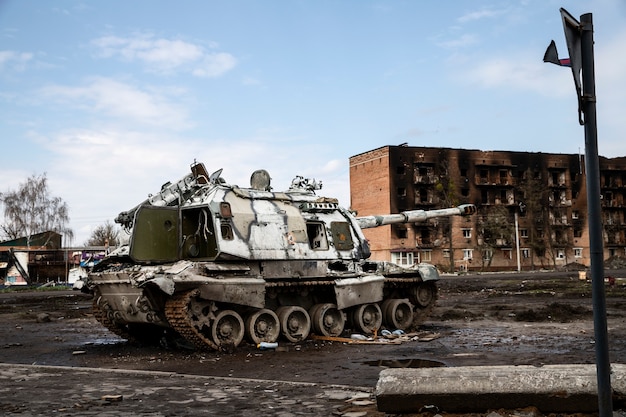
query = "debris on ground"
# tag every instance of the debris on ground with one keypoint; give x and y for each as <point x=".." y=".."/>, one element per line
<point x="385" y="338"/>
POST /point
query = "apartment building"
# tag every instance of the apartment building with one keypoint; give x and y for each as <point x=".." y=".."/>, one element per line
<point x="532" y="207"/>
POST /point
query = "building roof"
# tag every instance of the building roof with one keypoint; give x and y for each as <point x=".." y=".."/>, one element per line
<point x="48" y="240"/>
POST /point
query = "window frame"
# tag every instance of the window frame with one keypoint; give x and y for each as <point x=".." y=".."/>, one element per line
<point x="403" y="258"/>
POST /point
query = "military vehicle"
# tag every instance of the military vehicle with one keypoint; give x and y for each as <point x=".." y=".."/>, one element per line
<point x="215" y="263"/>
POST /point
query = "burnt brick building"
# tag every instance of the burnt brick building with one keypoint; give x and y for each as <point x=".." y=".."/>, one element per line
<point x="532" y="207"/>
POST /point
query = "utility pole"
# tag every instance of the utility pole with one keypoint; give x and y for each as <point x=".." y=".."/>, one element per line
<point x="579" y="37"/>
<point x="519" y="266"/>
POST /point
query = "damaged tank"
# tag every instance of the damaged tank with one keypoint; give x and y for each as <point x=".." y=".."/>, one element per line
<point x="217" y="264"/>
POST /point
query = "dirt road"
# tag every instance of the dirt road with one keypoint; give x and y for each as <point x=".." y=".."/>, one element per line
<point x="505" y="319"/>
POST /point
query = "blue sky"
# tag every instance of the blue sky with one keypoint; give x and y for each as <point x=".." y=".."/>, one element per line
<point x="113" y="98"/>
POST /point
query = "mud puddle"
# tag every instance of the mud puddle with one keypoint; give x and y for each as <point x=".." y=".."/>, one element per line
<point x="405" y="363"/>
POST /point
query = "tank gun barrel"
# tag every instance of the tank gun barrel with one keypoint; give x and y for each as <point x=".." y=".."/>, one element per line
<point x="414" y="216"/>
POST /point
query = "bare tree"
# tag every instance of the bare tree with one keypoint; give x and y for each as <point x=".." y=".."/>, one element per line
<point x="449" y="195"/>
<point x="495" y="229"/>
<point x="30" y="210"/>
<point x="104" y="235"/>
<point x="535" y="201"/>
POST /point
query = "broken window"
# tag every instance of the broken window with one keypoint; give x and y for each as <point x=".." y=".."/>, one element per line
<point x="317" y="235"/>
<point x="555" y="178"/>
<point x="503" y="197"/>
<point x="423" y="237"/>
<point x="423" y="174"/>
<point x="198" y="236"/>
<point x="423" y="195"/>
<point x="504" y="176"/>
<point x="227" y="231"/>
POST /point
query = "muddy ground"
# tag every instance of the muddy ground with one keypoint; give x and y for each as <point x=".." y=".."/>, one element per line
<point x="505" y="319"/>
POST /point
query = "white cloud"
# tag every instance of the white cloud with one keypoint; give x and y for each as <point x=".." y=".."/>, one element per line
<point x="161" y="52"/>
<point x="333" y="166"/>
<point x="462" y="41"/>
<point x="250" y="81"/>
<point x="165" y="55"/>
<point x="610" y="74"/>
<point x="121" y="101"/>
<point x="214" y="65"/>
<point x="527" y="73"/>
<point x="479" y="14"/>
<point x="14" y="60"/>
<point x="169" y="54"/>
<point x="102" y="172"/>
<point x="519" y="74"/>
<point x="610" y="61"/>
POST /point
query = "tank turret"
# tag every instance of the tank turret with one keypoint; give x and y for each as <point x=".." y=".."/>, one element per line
<point x="216" y="263"/>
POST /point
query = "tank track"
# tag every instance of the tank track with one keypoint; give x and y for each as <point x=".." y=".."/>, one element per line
<point x="177" y="314"/>
<point x="177" y="311"/>
<point x="103" y="319"/>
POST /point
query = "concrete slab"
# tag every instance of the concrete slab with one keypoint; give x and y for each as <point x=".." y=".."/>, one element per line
<point x="550" y="388"/>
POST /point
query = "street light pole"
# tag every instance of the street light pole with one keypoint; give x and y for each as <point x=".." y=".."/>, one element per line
<point x="519" y="266"/>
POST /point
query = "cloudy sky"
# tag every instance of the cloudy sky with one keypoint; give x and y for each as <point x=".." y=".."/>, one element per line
<point x="113" y="98"/>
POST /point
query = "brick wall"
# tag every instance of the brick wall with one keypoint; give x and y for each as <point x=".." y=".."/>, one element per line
<point x="370" y="195"/>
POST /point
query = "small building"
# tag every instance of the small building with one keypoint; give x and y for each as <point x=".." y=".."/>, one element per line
<point x="36" y="256"/>
<point x="40" y="259"/>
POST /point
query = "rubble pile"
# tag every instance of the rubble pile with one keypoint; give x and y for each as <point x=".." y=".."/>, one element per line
<point x="615" y="262"/>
